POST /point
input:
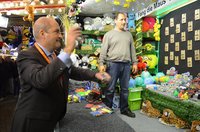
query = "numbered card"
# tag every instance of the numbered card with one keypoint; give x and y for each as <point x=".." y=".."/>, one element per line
<point x="189" y="45"/>
<point x="190" y="26"/>
<point x="166" y="47"/>
<point x="183" y="36"/>
<point x="189" y="62"/>
<point x="178" y="28"/>
<point x="196" y="35"/>
<point x="171" y="22"/>
<point x="196" y="55"/>
<point x="183" y="20"/>
<point x="177" y="46"/>
<point x="166" y="61"/>
<point x="176" y="61"/>
<point x="182" y="54"/>
<point x="166" y="31"/>
<point x="172" y="38"/>
<point x="171" y="55"/>
<point x="197" y="14"/>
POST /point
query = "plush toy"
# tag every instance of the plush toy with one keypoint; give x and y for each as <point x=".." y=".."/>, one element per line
<point x="25" y="36"/>
<point x="195" y="83"/>
<point x="93" y="61"/>
<point x="11" y="36"/>
<point x="171" y="72"/>
<point x="151" y="21"/>
<point x="145" y="26"/>
<point x="148" y="109"/>
<point x="88" y="21"/>
<point x="108" y="23"/>
<point x="169" y="118"/>
<point x="195" y="126"/>
<point x="151" y="60"/>
<point x="30" y="17"/>
<point x="97" y="24"/>
<point x="141" y="65"/>
<point x="84" y="62"/>
<point x="76" y="61"/>
<point x="157" y="30"/>
<point x="149" y="47"/>
<point x="131" y="21"/>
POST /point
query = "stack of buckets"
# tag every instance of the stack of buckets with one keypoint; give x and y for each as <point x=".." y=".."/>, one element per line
<point x="134" y="98"/>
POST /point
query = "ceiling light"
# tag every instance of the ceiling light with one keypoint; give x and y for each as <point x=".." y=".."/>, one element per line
<point x="43" y="10"/>
<point x="35" y="11"/>
<point x="21" y="4"/>
<point x="42" y="3"/>
<point x="59" y="10"/>
<point x="8" y="13"/>
<point x="51" y="1"/>
<point x="60" y="2"/>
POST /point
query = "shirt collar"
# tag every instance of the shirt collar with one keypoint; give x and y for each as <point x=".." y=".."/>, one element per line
<point x="45" y="50"/>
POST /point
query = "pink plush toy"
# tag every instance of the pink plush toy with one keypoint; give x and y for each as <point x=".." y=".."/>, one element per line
<point x="151" y="21"/>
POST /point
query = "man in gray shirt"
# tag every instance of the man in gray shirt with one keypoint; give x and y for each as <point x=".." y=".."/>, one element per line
<point x="116" y="57"/>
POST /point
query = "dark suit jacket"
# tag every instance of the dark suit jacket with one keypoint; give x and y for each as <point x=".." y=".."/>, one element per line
<point x="42" y="100"/>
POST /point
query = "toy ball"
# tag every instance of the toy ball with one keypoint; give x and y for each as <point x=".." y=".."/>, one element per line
<point x="132" y="83"/>
<point x="139" y="81"/>
<point x="160" y="74"/>
<point x="148" y="80"/>
<point x="145" y="74"/>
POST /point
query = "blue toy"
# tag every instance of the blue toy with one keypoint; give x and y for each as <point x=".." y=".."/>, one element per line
<point x="131" y="21"/>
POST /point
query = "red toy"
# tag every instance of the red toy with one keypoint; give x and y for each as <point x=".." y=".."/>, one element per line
<point x="141" y="65"/>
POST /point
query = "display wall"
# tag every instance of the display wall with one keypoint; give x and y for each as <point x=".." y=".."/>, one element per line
<point x="180" y="40"/>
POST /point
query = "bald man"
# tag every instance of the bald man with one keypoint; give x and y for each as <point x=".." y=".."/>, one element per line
<point x="44" y="78"/>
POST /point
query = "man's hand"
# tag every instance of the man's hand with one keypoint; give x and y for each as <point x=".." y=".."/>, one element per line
<point x="104" y="77"/>
<point x="70" y="38"/>
<point x="102" y="68"/>
<point x="134" y="69"/>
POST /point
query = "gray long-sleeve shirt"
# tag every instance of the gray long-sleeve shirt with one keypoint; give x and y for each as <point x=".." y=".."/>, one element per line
<point x="116" y="47"/>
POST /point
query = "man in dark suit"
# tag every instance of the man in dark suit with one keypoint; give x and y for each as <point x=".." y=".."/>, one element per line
<point x="43" y="95"/>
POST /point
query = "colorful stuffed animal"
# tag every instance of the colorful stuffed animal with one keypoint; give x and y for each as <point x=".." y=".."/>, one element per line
<point x="93" y="61"/>
<point x="148" y="109"/>
<point x="151" y="60"/>
<point x="141" y="65"/>
<point x="131" y="21"/>
<point x="171" y="72"/>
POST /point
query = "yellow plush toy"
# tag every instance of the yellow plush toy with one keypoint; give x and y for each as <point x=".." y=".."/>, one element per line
<point x="30" y="16"/>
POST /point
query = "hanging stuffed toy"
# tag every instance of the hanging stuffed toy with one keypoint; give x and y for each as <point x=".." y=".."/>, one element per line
<point x="30" y="16"/>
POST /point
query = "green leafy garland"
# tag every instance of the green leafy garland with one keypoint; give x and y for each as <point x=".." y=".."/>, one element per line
<point x="138" y="43"/>
<point x="187" y="110"/>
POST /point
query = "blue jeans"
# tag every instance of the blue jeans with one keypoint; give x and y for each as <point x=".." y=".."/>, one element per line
<point x="121" y="71"/>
